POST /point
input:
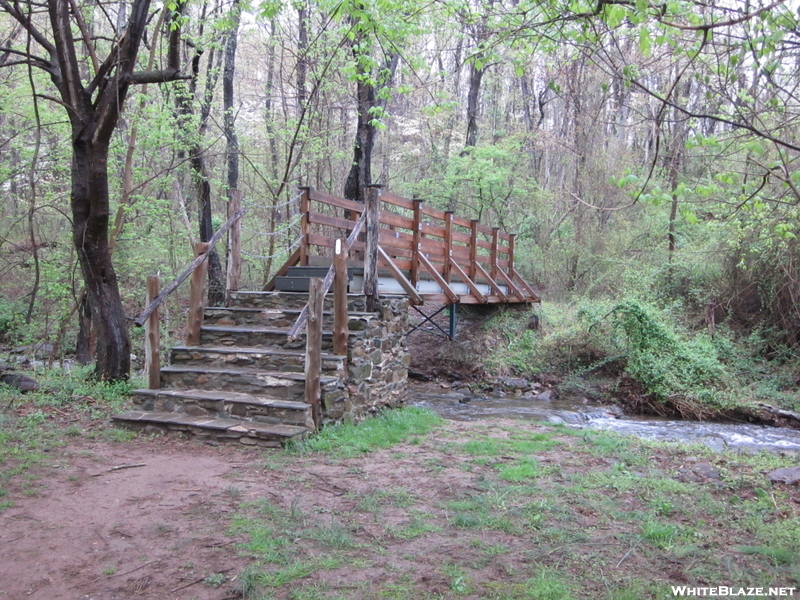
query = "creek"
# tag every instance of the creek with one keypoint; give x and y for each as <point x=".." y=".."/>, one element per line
<point x="578" y="413"/>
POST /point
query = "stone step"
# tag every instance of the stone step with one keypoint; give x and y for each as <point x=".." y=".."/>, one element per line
<point x="292" y="361"/>
<point x="257" y="317"/>
<point x="213" y="404"/>
<point x="286" y="386"/>
<point x="257" y="337"/>
<point x="290" y="300"/>
<point x="222" y="430"/>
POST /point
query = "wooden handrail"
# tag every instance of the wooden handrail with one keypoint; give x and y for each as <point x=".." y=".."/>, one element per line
<point x="140" y="320"/>
<point x="326" y="283"/>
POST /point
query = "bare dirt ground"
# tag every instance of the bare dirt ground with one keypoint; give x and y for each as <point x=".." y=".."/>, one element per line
<point x="90" y="532"/>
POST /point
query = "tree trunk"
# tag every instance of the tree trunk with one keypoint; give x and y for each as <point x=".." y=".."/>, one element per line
<point x="475" y="78"/>
<point x="200" y="179"/>
<point x="360" y="175"/>
<point x="216" y="297"/>
<point x="90" y="213"/>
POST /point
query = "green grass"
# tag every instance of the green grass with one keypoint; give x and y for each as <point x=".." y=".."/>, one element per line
<point x="383" y="431"/>
<point x="541" y="515"/>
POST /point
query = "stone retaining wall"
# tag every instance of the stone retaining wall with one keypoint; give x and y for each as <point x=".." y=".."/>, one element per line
<point x="377" y="363"/>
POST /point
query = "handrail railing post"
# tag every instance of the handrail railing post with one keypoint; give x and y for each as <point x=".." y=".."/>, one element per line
<point x="495" y="234"/>
<point x="340" y="325"/>
<point x="373" y="222"/>
<point x="313" y="366"/>
<point x="152" y="356"/>
<point x="305" y="225"/>
<point x="417" y="241"/>
<point x="448" y="244"/>
<point x="235" y="245"/>
<point x="511" y="237"/>
<point x="197" y="293"/>
<point x="473" y="248"/>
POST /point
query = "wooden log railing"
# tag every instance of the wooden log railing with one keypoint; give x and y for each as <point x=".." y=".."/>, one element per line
<point x="297" y="328"/>
<point x="197" y="269"/>
<point x="414" y="243"/>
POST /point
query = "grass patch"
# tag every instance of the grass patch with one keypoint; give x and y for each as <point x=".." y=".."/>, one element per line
<point x="32" y="424"/>
<point x="389" y="428"/>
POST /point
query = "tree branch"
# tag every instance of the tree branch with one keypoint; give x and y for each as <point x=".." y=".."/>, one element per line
<point x="31" y="59"/>
<point x="719" y="119"/>
<point x="85" y="34"/>
<point x="20" y="18"/>
<point x="709" y="26"/>
<point x="158" y="76"/>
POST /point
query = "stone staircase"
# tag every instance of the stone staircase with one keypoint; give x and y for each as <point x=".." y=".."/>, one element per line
<point x="245" y="381"/>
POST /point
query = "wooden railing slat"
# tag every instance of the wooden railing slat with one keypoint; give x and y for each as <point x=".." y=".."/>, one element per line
<point x="313" y="364"/>
<point x="188" y="271"/>
<point x="324" y="198"/>
<point x="397" y="200"/>
<point x="152" y="353"/>
<point x="433" y="212"/>
<point x="399" y="277"/>
<point x="320" y="219"/>
<point x="395" y="220"/>
<point x="197" y="289"/>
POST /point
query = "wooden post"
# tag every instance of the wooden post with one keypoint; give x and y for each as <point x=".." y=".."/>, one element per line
<point x="511" y="253"/>
<point x="373" y="223"/>
<point x="417" y="241"/>
<point x="448" y="244"/>
<point x="235" y="245"/>
<point x="495" y="233"/>
<point x="197" y="294"/>
<point x="313" y="366"/>
<point x="152" y="356"/>
<point x="473" y="248"/>
<point x="305" y="226"/>
<point x="340" y="326"/>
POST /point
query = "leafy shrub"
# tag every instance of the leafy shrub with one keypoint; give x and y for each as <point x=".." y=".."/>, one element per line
<point x="684" y="371"/>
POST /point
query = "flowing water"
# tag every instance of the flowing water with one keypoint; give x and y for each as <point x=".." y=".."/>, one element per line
<point x="580" y="414"/>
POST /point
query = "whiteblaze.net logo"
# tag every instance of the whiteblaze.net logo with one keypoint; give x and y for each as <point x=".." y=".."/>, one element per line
<point x="724" y="591"/>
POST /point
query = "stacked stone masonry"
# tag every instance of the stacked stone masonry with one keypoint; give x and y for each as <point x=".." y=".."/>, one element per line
<point x="245" y="381"/>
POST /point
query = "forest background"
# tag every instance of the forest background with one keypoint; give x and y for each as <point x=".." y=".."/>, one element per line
<point x="644" y="153"/>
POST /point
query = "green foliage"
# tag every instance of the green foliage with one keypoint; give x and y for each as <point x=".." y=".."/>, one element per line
<point x="565" y="343"/>
<point x="664" y="363"/>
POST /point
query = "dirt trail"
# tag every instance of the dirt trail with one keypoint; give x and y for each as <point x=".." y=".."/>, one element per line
<point x="93" y="533"/>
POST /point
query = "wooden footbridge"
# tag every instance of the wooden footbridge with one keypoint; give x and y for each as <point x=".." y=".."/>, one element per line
<point x="272" y="365"/>
<point x="430" y="255"/>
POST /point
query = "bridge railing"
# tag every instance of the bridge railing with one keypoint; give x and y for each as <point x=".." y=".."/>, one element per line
<point x="434" y="255"/>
